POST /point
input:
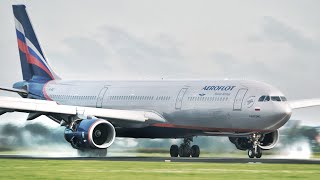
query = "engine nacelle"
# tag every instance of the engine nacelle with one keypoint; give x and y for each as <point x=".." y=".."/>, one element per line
<point x="90" y="133"/>
<point x="269" y="140"/>
<point x="241" y="143"/>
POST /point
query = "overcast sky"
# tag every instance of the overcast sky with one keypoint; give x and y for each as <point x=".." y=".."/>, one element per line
<point x="274" y="41"/>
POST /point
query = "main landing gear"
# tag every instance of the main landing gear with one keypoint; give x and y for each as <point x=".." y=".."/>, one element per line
<point x="185" y="149"/>
<point x="255" y="150"/>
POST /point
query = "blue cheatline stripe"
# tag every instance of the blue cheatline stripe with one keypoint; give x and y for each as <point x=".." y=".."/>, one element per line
<point x="20" y="36"/>
<point x="36" y="56"/>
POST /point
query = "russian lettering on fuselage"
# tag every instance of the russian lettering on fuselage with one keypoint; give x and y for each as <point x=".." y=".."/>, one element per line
<point x="218" y="88"/>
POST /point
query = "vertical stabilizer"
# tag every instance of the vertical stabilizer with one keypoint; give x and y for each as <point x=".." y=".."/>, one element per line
<point x="33" y="62"/>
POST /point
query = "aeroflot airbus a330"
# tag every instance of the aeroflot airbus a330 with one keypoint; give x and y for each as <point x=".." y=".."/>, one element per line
<point x="95" y="112"/>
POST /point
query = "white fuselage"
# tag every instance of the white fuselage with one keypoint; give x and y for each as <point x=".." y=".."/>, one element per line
<point x="213" y="106"/>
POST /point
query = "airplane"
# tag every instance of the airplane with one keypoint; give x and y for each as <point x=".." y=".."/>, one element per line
<point x="94" y="113"/>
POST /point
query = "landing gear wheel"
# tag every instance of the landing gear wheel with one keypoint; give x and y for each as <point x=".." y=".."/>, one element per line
<point x="251" y="153"/>
<point x="259" y="153"/>
<point x="184" y="151"/>
<point x="255" y="150"/>
<point x="195" y="151"/>
<point x="92" y="152"/>
<point x="174" y="151"/>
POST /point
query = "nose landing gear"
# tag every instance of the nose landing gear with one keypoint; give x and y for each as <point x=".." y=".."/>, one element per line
<point x="255" y="151"/>
<point x="185" y="149"/>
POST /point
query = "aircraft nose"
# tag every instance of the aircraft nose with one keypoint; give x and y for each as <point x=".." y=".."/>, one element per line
<point x="281" y="113"/>
<point x="284" y="111"/>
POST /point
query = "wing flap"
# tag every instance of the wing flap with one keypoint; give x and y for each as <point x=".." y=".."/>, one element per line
<point x="304" y="103"/>
<point x="43" y="106"/>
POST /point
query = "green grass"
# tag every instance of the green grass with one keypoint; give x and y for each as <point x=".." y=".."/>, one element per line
<point x="55" y="169"/>
<point x="316" y="155"/>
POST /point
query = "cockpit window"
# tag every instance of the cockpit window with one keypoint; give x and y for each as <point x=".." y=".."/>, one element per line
<point x="272" y="98"/>
<point x="267" y="98"/>
<point x="283" y="98"/>
<point x="261" y="98"/>
<point x="275" y="98"/>
<point x="264" y="98"/>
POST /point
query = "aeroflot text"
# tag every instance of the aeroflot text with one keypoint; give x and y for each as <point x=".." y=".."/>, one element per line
<point x="218" y="88"/>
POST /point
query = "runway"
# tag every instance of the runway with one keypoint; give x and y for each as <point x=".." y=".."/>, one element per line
<point x="168" y="159"/>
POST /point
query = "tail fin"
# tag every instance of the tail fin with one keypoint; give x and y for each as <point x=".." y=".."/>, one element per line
<point x="33" y="61"/>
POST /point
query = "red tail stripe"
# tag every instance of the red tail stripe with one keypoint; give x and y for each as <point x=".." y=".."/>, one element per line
<point x="31" y="59"/>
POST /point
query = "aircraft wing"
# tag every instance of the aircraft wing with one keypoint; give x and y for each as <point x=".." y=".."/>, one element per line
<point x="43" y="107"/>
<point x="304" y="103"/>
<point x="21" y="92"/>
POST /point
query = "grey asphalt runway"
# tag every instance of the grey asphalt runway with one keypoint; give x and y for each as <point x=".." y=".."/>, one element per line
<point x="168" y="159"/>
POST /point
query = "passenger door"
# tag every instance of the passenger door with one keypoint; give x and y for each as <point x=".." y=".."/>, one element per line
<point x="237" y="105"/>
<point x="100" y="97"/>
<point x="180" y="98"/>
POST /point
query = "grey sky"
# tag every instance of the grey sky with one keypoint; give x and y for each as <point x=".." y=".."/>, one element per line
<point x="277" y="42"/>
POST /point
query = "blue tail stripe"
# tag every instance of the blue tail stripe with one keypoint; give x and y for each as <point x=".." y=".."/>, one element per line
<point x="20" y="36"/>
<point x="36" y="56"/>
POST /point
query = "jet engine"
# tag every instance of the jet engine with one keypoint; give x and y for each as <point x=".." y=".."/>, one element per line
<point x="90" y="134"/>
<point x="241" y="143"/>
<point x="269" y="140"/>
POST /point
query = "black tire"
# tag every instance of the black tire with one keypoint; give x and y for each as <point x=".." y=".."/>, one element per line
<point x="184" y="151"/>
<point x="259" y="153"/>
<point x="251" y="153"/>
<point x="174" y="151"/>
<point x="92" y="152"/>
<point x="195" y="151"/>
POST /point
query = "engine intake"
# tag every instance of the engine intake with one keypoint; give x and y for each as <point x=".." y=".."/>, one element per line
<point x="269" y="140"/>
<point x="93" y="134"/>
